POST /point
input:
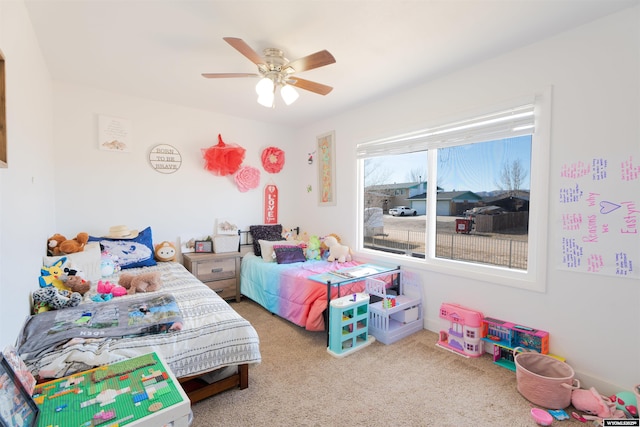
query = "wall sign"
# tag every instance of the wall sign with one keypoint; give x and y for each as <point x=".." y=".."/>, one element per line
<point x="165" y="159"/>
<point x="599" y="222"/>
<point x="270" y="204"/>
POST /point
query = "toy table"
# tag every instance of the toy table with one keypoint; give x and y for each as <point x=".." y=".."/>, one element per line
<point x="140" y="392"/>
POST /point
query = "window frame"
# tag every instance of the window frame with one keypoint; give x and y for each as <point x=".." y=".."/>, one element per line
<point x="534" y="278"/>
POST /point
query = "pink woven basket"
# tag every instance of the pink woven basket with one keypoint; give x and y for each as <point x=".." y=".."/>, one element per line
<point x="544" y="380"/>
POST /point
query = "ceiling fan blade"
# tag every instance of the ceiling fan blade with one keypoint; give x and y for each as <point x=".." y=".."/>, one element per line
<point x="228" y="75"/>
<point x="245" y="49"/>
<point x="309" y="85"/>
<point x="315" y="60"/>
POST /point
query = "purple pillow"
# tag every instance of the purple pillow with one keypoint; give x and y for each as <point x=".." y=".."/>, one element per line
<point x="288" y="254"/>
<point x="264" y="232"/>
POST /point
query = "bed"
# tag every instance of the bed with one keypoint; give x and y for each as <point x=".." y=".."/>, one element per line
<point x="208" y="345"/>
<point x="287" y="290"/>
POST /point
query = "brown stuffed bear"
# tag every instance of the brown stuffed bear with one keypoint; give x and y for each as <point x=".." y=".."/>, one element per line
<point x="60" y="245"/>
<point x="77" y="284"/>
<point x="143" y="282"/>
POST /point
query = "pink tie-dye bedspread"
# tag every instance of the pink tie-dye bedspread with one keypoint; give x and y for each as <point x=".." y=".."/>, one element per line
<point x="286" y="290"/>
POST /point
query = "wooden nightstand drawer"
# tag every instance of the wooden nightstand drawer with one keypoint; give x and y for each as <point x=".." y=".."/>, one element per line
<point x="215" y="269"/>
<point x="226" y="289"/>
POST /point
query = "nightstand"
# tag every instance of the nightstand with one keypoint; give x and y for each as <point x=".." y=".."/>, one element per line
<point x="220" y="272"/>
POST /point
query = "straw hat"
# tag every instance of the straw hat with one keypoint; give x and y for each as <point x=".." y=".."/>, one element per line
<point x="121" y="232"/>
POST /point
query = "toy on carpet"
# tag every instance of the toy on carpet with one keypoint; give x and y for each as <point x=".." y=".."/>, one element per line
<point x="165" y="252"/>
<point x="52" y="275"/>
<point x="594" y="404"/>
<point x="337" y="251"/>
<point x="143" y="282"/>
<point x="51" y="298"/>
<point x="60" y="245"/>
<point x="541" y="416"/>
<point x="627" y="402"/>
<point x="313" y="248"/>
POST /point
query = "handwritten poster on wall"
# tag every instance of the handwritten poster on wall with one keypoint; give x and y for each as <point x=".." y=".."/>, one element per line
<point x="599" y="216"/>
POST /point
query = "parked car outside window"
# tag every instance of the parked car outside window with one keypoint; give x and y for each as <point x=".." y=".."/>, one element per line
<point x="403" y="211"/>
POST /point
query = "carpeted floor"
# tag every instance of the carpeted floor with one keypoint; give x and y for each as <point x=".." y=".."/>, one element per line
<point x="409" y="383"/>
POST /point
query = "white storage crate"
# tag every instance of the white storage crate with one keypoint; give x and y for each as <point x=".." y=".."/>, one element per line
<point x="226" y="243"/>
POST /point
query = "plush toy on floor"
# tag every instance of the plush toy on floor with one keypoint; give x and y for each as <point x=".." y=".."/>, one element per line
<point x="143" y="282"/>
<point x="337" y="251"/>
<point x="594" y="404"/>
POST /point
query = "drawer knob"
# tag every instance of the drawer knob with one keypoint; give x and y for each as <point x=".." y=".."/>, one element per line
<point x="216" y="270"/>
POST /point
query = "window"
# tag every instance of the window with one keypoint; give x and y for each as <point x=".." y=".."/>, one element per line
<point x="474" y="184"/>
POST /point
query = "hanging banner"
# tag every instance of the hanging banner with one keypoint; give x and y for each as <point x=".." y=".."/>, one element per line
<point x="270" y="204"/>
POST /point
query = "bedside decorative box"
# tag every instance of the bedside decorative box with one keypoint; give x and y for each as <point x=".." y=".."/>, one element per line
<point x="226" y="243"/>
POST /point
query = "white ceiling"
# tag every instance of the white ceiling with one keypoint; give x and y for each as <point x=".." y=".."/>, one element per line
<point x="157" y="49"/>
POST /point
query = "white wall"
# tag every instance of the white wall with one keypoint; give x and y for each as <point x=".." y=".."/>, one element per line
<point x="594" y="71"/>
<point x="27" y="199"/>
<point x="96" y="189"/>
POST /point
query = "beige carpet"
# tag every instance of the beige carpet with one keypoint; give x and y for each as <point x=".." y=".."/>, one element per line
<point x="409" y="383"/>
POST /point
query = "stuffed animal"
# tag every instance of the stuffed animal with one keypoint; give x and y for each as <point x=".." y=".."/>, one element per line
<point x="313" y="248"/>
<point x="143" y="282"/>
<point x="337" y="251"/>
<point x="52" y="275"/>
<point x="165" y="252"/>
<point x="594" y="404"/>
<point x="60" y="245"/>
<point x="77" y="284"/>
<point x="107" y="290"/>
<point x="108" y="264"/>
<point x="50" y="298"/>
<point x="53" y="244"/>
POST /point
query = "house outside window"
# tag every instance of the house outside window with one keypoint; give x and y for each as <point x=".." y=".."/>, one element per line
<point x="478" y="215"/>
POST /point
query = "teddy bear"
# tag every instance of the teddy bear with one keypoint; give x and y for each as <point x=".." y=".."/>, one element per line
<point x="165" y="252"/>
<point x="337" y="251"/>
<point x="143" y="282"/>
<point x="77" y="284"/>
<point x="60" y="245"/>
<point x="51" y="298"/>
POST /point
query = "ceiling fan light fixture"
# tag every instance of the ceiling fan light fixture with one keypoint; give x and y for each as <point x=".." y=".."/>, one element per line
<point x="289" y="94"/>
<point x="266" y="100"/>
<point x="265" y="86"/>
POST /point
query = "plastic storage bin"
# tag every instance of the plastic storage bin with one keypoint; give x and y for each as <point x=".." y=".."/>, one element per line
<point x="349" y="325"/>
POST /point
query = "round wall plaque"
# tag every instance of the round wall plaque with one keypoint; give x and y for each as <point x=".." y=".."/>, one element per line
<point x="165" y="159"/>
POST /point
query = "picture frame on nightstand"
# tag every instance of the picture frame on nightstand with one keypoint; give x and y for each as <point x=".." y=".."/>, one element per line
<point x="203" y="246"/>
<point x="17" y="407"/>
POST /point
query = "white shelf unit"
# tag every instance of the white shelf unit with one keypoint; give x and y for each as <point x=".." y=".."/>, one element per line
<point x="389" y="324"/>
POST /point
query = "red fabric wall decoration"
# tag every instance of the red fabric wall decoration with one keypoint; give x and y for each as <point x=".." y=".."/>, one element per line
<point x="223" y="159"/>
<point x="272" y="159"/>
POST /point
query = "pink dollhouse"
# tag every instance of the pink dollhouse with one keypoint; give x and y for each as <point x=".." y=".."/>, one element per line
<point x="462" y="330"/>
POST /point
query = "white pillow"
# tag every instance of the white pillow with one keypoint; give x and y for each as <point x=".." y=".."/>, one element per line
<point x="86" y="262"/>
<point x="266" y="248"/>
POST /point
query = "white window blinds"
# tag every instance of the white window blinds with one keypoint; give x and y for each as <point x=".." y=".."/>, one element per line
<point x="505" y="123"/>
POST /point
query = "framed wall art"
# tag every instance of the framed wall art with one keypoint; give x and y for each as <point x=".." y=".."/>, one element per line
<point x="17" y="407"/>
<point x="326" y="161"/>
<point x="114" y="133"/>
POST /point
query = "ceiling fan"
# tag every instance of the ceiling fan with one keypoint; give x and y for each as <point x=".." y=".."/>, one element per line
<point x="277" y="71"/>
